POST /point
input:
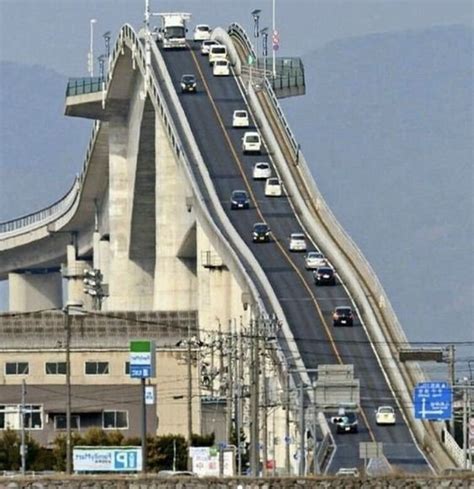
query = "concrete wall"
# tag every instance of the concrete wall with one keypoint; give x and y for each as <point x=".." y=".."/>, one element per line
<point x="30" y="292"/>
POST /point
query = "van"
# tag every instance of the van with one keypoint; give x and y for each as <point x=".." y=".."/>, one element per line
<point x="217" y="52"/>
<point x="273" y="187"/>
<point x="251" y="142"/>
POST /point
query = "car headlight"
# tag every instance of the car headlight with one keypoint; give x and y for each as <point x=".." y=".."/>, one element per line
<point x="194" y="85"/>
<point x="255" y="234"/>
<point x="183" y="85"/>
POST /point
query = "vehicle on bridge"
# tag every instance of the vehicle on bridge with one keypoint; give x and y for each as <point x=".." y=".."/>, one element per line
<point x="221" y="68"/>
<point x="262" y="171"/>
<point x="202" y="32"/>
<point x="261" y="232"/>
<point x="251" y="142"/>
<point x="342" y="316"/>
<point x="173" y="30"/>
<point x="324" y="276"/>
<point x="314" y="260"/>
<point x="239" y="200"/>
<point x="348" y="472"/>
<point x="217" y="51"/>
<point x="297" y="242"/>
<point x="346" y="422"/>
<point x="273" y="187"/>
<point x="385" y="415"/>
<point x="240" y="118"/>
<point x="188" y="84"/>
<point x="206" y="46"/>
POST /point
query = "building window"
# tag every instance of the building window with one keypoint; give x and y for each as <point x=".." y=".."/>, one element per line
<point x="97" y="368"/>
<point x="127" y="368"/>
<point x="17" y="368"/>
<point x="60" y="422"/>
<point x="55" y="368"/>
<point x="115" y="420"/>
<point x="10" y="417"/>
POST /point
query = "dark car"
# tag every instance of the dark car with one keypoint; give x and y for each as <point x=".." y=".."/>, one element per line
<point x="347" y="423"/>
<point x="188" y="83"/>
<point x="324" y="276"/>
<point x="239" y="200"/>
<point x="261" y="232"/>
<point x="342" y="316"/>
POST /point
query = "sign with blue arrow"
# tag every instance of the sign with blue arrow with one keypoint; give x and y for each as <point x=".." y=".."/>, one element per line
<point x="433" y="401"/>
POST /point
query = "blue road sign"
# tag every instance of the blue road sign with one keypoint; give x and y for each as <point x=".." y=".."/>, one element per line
<point x="126" y="460"/>
<point x="433" y="400"/>
<point x="140" y="371"/>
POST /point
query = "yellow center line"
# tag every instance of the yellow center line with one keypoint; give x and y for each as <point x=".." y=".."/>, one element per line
<point x="257" y="208"/>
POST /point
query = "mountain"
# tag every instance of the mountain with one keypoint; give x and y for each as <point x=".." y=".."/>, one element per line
<point x="386" y="127"/>
<point x="40" y="149"/>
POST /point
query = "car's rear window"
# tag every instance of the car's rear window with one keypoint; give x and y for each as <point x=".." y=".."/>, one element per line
<point x="240" y="195"/>
<point x="240" y="113"/>
<point x="384" y="410"/>
<point x="252" y="139"/>
<point x="275" y="181"/>
<point x="218" y="49"/>
<point x="314" y="255"/>
<point x="189" y="78"/>
<point x="221" y="62"/>
<point x="261" y="228"/>
<point x="262" y="166"/>
<point x="344" y="310"/>
<point x="203" y="28"/>
<point x="299" y="237"/>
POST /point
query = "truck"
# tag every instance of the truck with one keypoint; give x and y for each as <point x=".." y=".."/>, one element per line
<point x="173" y="29"/>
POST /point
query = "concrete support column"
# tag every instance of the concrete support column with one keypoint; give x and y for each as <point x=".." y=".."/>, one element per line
<point x="75" y="278"/>
<point x="34" y="291"/>
<point x="175" y="274"/>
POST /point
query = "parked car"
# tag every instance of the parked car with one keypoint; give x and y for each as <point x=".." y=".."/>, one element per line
<point x="221" y="68"/>
<point x="202" y="32"/>
<point x="297" y="242"/>
<point x="206" y="46"/>
<point x="251" y="142"/>
<point x="240" y="118"/>
<point x="176" y="473"/>
<point x="188" y="83"/>
<point x="273" y="187"/>
<point x="217" y="51"/>
<point x="262" y="171"/>
<point x="342" y="316"/>
<point x="348" y="472"/>
<point x="261" y="232"/>
<point x="346" y="423"/>
<point x="239" y="200"/>
<point x="385" y="415"/>
<point x="324" y="276"/>
<point x="314" y="259"/>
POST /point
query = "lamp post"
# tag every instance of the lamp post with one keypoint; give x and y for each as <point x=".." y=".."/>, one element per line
<point x="264" y="33"/>
<point x="91" y="48"/>
<point x="101" y="59"/>
<point x="273" y="33"/>
<point x="256" y="18"/>
<point x="107" y="35"/>
<point x="71" y="308"/>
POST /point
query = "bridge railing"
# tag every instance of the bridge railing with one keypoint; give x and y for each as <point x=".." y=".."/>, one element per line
<point x="84" y="85"/>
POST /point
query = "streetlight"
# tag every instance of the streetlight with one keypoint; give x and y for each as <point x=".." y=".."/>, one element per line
<point x="256" y="17"/>
<point x="71" y="309"/>
<point x="101" y="59"/>
<point x="273" y="34"/>
<point x="91" y="48"/>
<point x="264" y="33"/>
<point x="107" y="35"/>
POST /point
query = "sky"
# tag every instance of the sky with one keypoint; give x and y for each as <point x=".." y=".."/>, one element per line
<point x="55" y="33"/>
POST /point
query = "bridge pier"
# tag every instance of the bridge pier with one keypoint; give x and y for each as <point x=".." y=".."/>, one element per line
<point x="33" y="291"/>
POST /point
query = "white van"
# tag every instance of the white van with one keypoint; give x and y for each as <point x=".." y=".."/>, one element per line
<point x="221" y="68"/>
<point x="251" y="142"/>
<point x="273" y="187"/>
<point x="217" y="52"/>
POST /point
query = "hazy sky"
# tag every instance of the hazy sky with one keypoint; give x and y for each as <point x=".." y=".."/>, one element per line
<point x="55" y="33"/>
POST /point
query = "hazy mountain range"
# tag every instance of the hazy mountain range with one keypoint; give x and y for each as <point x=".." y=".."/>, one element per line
<point x="386" y="126"/>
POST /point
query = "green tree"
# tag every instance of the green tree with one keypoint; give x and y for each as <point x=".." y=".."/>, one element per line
<point x="9" y="450"/>
<point x="203" y="440"/>
<point x="163" y="450"/>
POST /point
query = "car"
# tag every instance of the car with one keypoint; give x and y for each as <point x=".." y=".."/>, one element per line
<point x="273" y="187"/>
<point x="262" y="170"/>
<point x="221" y="68"/>
<point x="346" y="423"/>
<point x="206" y="46"/>
<point x="348" y="472"/>
<point x="176" y="473"/>
<point x="251" y="142"/>
<point x="297" y="242"/>
<point x="216" y="52"/>
<point x="188" y="83"/>
<point x="342" y="316"/>
<point x="261" y="232"/>
<point x="385" y="415"/>
<point x="239" y="200"/>
<point x="324" y="276"/>
<point x="202" y="32"/>
<point x="314" y="259"/>
<point x="240" y="118"/>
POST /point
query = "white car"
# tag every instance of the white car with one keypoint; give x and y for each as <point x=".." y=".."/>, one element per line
<point x="251" y="142"/>
<point x="202" y="32"/>
<point x="273" y="187"/>
<point x="216" y="52"/>
<point x="240" y="118"/>
<point x="314" y="259"/>
<point x="206" y="46"/>
<point x="385" y="415"/>
<point x="262" y="171"/>
<point x="348" y="472"/>
<point x="297" y="242"/>
<point x="221" y="68"/>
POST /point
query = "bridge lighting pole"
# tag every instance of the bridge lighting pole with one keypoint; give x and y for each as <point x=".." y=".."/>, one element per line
<point x="101" y="60"/>
<point x="91" y="48"/>
<point x="273" y="32"/>
<point x="264" y="33"/>
<point x="256" y="19"/>
<point x="107" y="35"/>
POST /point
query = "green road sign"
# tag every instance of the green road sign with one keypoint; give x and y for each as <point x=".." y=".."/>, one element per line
<point x="250" y="59"/>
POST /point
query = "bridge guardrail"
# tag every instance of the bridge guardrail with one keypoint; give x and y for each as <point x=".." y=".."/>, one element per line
<point x="84" y="85"/>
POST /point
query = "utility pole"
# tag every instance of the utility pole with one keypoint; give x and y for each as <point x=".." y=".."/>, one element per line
<point x="22" y="417"/>
<point x="67" y="318"/>
<point x="264" y="408"/>
<point x="255" y="448"/>
<point x="190" y="390"/>
<point x="452" y="377"/>
<point x="143" y="430"/>
<point x="230" y="387"/>
<point x="302" y="432"/>
<point x="287" y="425"/>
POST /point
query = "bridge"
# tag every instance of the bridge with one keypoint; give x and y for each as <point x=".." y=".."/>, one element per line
<point x="151" y="211"/>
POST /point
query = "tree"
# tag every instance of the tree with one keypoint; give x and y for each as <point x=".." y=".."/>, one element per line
<point x="162" y="451"/>
<point x="9" y="450"/>
<point x="203" y="440"/>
